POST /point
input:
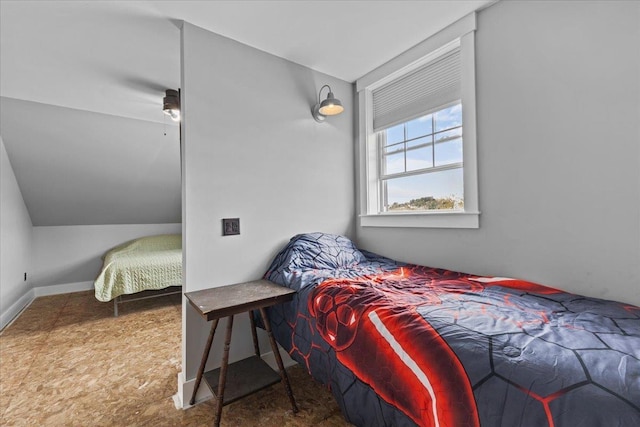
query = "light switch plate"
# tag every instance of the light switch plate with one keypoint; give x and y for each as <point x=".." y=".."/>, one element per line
<point x="230" y="226"/>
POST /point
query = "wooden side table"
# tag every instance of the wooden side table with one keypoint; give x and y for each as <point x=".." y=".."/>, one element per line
<point x="252" y="374"/>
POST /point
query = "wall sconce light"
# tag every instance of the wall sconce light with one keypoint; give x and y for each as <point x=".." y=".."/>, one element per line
<point x="171" y="104"/>
<point x="329" y="107"/>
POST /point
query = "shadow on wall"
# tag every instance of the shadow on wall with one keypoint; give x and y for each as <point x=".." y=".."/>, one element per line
<point x="80" y="271"/>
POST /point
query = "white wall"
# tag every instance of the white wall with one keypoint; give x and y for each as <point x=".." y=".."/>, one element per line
<point x="558" y="100"/>
<point x="252" y="150"/>
<point x="15" y="242"/>
<point x="73" y="254"/>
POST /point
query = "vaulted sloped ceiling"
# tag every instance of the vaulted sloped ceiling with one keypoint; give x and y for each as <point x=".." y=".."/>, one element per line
<point x="78" y="167"/>
<point x="81" y="111"/>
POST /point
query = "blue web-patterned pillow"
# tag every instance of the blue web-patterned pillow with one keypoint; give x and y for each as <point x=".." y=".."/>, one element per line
<point x="321" y="251"/>
<point x="311" y="258"/>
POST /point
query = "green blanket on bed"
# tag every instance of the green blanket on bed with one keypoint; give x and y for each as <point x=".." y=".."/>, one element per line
<point x="153" y="262"/>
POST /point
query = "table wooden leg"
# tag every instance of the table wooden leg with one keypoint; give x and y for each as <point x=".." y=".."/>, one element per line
<point x="223" y="372"/>
<point x="256" y="346"/>
<point x="276" y="353"/>
<point x="203" y="362"/>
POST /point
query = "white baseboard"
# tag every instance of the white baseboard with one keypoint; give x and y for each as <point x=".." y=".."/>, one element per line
<point x="271" y="359"/>
<point x="65" y="288"/>
<point x="185" y="388"/>
<point x="23" y="302"/>
<point x="11" y="313"/>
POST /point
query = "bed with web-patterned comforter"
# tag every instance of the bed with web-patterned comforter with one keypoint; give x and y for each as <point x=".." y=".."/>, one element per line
<point x="405" y="345"/>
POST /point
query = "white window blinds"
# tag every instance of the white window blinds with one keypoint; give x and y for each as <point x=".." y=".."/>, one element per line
<point x="420" y="92"/>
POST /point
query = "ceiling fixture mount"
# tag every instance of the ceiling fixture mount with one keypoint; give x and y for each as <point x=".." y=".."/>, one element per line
<point x="329" y="107"/>
<point x="171" y="104"/>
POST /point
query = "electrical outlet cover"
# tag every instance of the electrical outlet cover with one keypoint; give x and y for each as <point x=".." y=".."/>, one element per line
<point x="230" y="226"/>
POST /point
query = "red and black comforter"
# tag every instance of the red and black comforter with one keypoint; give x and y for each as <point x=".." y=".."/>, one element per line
<point x="404" y="345"/>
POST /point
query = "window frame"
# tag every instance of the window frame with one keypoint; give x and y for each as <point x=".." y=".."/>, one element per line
<point x="460" y="34"/>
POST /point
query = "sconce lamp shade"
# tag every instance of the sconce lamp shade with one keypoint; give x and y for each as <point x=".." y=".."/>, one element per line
<point x="329" y="107"/>
<point x="171" y="104"/>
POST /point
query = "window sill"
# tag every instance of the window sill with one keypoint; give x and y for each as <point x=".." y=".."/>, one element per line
<point x="423" y="220"/>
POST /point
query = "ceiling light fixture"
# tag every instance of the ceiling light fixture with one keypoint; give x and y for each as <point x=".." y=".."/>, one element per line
<point x="171" y="104"/>
<point x="329" y="107"/>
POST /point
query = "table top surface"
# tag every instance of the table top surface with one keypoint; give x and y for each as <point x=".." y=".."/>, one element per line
<point x="222" y="301"/>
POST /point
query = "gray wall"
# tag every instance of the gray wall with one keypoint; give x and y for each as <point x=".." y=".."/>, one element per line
<point x="15" y="241"/>
<point x="558" y="99"/>
<point x="252" y="150"/>
<point x="72" y="254"/>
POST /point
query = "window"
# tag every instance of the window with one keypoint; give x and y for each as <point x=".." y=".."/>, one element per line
<point x="421" y="163"/>
<point x="417" y="148"/>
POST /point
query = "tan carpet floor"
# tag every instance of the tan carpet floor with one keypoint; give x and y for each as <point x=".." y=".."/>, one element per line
<point x="66" y="361"/>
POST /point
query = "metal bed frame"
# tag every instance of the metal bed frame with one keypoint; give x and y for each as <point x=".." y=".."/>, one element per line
<point x="171" y="290"/>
